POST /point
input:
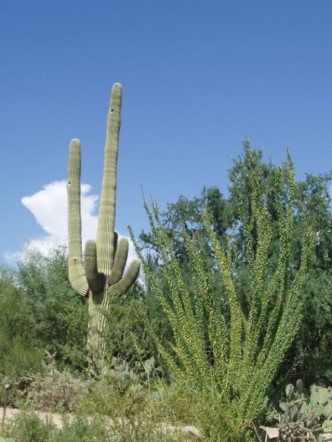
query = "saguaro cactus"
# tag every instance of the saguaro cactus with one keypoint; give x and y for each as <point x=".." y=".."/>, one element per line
<point x="101" y="275"/>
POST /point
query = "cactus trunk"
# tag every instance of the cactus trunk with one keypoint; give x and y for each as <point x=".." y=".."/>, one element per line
<point x="101" y="274"/>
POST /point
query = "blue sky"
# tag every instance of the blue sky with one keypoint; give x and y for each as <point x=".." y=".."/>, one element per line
<point x="197" y="77"/>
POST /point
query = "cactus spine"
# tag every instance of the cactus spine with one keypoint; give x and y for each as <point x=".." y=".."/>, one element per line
<point x="100" y="276"/>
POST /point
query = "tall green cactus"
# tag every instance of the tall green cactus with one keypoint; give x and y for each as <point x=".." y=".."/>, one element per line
<point x="100" y="275"/>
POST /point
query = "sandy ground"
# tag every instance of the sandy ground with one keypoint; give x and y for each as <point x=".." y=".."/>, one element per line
<point x="56" y="419"/>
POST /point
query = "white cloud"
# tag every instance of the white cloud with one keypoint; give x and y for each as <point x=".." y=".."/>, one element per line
<point x="49" y="207"/>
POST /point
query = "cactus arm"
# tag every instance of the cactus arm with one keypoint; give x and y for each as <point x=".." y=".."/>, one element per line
<point x="105" y="231"/>
<point x="76" y="270"/>
<point x="96" y="280"/>
<point x="120" y="260"/>
<point x="127" y="281"/>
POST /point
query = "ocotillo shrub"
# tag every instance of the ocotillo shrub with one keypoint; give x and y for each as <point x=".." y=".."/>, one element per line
<point x="231" y="354"/>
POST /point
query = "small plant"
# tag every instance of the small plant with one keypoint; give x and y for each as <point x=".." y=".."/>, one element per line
<point x="305" y="419"/>
<point x="5" y="401"/>
<point x="29" y="427"/>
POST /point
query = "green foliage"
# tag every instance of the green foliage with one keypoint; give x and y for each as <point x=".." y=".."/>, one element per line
<point x="137" y="413"/>
<point x="85" y="430"/>
<point x="60" y="318"/>
<point x="308" y="357"/>
<point x="29" y="428"/>
<point x="236" y="352"/>
<point x="314" y="342"/>
<point x="130" y="347"/>
<point x="20" y="350"/>
<point x="44" y="316"/>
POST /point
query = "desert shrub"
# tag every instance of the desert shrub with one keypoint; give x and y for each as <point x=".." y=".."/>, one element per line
<point x="229" y="346"/>
<point x="56" y="391"/>
<point x="113" y="397"/>
<point x="309" y="356"/>
<point x="136" y="413"/>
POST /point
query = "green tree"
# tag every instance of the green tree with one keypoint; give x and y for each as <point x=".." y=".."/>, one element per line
<point x="310" y="353"/>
